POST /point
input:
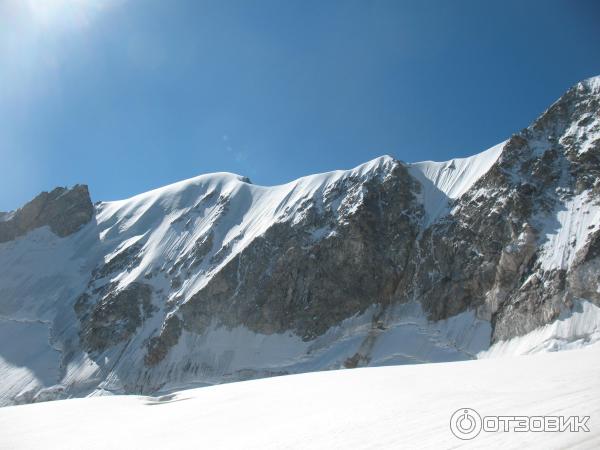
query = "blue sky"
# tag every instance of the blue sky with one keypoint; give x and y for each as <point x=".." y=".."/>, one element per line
<point x="129" y="95"/>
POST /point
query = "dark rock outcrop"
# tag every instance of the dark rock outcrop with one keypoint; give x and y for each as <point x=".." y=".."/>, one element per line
<point x="63" y="210"/>
<point x="487" y="254"/>
<point x="115" y="317"/>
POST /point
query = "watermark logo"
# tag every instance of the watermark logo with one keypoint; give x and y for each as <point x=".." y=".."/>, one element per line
<point x="466" y="424"/>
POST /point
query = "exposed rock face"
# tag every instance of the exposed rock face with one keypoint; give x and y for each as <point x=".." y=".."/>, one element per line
<point x="584" y="277"/>
<point x="344" y="251"/>
<point x="115" y="317"/>
<point x="489" y="253"/>
<point x="288" y="280"/>
<point x="173" y="282"/>
<point x="159" y="346"/>
<point x="63" y="210"/>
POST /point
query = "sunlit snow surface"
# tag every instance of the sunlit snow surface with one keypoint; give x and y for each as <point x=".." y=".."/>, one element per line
<point x="573" y="329"/>
<point x="373" y="408"/>
<point x="566" y="232"/>
<point x="442" y="182"/>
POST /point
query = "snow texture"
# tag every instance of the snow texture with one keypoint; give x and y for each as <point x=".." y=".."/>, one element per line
<point x="384" y="408"/>
<point x="574" y="329"/>
<point x="443" y="182"/>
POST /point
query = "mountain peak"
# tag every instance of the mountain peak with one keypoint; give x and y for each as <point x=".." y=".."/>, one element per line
<point x="64" y="210"/>
<point x="592" y="84"/>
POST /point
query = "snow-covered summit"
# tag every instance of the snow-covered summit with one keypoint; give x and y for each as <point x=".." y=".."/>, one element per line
<point x="233" y="210"/>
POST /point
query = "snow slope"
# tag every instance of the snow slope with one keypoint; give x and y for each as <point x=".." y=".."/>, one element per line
<point x="566" y="232"/>
<point x="169" y="221"/>
<point x="372" y="408"/>
<point x="443" y="182"/>
<point x="27" y="360"/>
<point x="407" y="338"/>
<point x="573" y="329"/>
<point x="36" y="306"/>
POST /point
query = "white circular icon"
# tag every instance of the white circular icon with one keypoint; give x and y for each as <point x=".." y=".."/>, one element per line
<point x="465" y="423"/>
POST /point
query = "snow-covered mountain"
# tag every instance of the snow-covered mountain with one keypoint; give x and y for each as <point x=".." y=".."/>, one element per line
<point x="216" y="279"/>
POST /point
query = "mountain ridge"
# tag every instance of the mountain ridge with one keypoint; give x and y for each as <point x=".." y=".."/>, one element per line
<point x="214" y="279"/>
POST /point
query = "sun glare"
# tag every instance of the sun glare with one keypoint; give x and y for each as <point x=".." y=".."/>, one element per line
<point x="64" y="13"/>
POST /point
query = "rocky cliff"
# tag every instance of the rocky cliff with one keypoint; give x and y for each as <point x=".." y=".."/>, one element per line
<point x="63" y="210"/>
